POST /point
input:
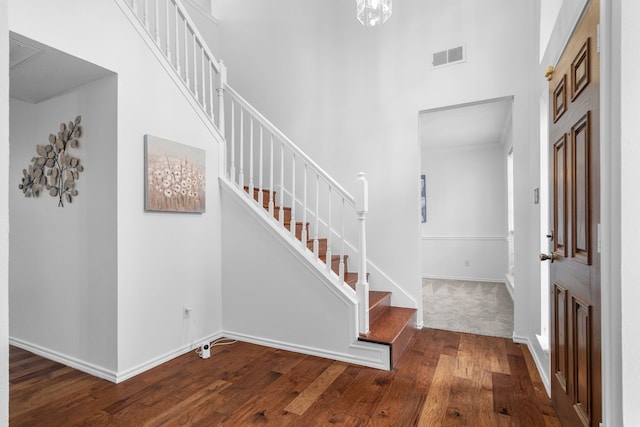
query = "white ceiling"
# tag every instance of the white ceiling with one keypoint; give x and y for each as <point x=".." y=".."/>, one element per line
<point x="478" y="123"/>
<point x="39" y="72"/>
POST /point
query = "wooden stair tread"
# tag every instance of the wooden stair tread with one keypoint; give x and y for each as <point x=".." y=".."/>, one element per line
<point x="323" y="257"/>
<point x="389" y="325"/>
<point x="377" y="297"/>
<point x="351" y="279"/>
<point x="322" y="245"/>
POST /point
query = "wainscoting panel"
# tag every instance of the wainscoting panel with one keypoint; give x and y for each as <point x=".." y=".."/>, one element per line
<point x="461" y="257"/>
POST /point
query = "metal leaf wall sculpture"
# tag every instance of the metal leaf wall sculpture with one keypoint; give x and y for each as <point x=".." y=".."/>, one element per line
<point x="54" y="168"/>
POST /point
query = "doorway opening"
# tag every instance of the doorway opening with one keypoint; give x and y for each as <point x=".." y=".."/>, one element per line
<point x="465" y="238"/>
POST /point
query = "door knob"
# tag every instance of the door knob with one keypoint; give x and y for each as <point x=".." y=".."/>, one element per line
<point x="545" y="257"/>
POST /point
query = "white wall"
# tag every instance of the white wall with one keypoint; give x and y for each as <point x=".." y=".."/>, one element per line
<point x="164" y="260"/>
<point x="4" y="215"/>
<point x="62" y="271"/>
<point x="465" y="233"/>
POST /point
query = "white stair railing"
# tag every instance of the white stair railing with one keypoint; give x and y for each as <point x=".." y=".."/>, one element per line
<point x="310" y="203"/>
<point x="175" y="35"/>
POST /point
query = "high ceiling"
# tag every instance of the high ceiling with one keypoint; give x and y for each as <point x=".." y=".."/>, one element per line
<point x="478" y="123"/>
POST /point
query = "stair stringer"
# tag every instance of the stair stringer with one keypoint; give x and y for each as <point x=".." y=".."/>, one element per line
<point x="263" y="304"/>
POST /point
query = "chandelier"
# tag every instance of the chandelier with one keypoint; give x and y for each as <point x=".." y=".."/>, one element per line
<point x="373" y="12"/>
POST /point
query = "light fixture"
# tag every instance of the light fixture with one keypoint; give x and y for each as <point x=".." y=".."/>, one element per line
<point x="373" y="12"/>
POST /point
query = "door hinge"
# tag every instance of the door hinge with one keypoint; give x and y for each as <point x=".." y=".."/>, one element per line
<point x="598" y="238"/>
<point x="598" y="38"/>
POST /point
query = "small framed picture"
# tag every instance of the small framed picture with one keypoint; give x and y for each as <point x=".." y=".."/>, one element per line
<point x="174" y="176"/>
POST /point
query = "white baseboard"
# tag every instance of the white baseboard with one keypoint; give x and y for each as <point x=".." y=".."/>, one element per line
<point x="373" y="355"/>
<point x="100" y="372"/>
<point x="80" y="365"/>
<point x="539" y="363"/>
<point x="136" y="370"/>
<point x="367" y="354"/>
<point x="510" y="284"/>
<point x="466" y="279"/>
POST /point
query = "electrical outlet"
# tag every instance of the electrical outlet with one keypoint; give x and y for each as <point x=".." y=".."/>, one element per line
<point x="186" y="311"/>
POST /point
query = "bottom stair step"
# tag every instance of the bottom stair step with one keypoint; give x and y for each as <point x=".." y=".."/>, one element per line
<point x="394" y="327"/>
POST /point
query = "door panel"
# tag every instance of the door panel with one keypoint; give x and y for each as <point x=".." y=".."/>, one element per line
<point x="581" y="143"/>
<point x="582" y="359"/>
<point x="560" y="336"/>
<point x="560" y="196"/>
<point x="575" y="205"/>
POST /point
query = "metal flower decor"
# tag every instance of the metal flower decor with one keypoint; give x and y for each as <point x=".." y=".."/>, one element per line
<point x="54" y="168"/>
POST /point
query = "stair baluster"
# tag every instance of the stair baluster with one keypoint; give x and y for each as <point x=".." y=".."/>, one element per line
<point x="177" y="34"/>
<point x="342" y="249"/>
<point x="271" y="201"/>
<point x="195" y="68"/>
<point x="330" y="232"/>
<point x="260" y="171"/>
<point x="281" y="216"/>
<point x="251" y="186"/>
<point x="145" y="11"/>
<point x="232" y="166"/>
<point x="168" y="35"/>
<point x="317" y="213"/>
<point x="156" y="18"/>
<point x="304" y="236"/>
<point x="203" y="91"/>
<point x="241" y="148"/>
<point x="187" y="77"/>
<point x="293" y="195"/>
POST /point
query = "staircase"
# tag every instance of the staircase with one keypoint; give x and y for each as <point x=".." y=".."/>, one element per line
<point x="388" y="325"/>
<point x="298" y="195"/>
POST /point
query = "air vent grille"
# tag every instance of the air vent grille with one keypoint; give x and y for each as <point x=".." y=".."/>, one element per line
<point x="450" y="56"/>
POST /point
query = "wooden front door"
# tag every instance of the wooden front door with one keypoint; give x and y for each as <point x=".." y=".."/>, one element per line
<point x="575" y="214"/>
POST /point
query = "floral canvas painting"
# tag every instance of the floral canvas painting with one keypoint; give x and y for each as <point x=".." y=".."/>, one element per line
<point x="175" y="176"/>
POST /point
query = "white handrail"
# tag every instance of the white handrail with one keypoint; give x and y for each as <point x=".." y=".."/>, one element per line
<point x="276" y="132"/>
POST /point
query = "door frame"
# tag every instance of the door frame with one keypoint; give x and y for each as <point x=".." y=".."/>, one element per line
<point x="610" y="208"/>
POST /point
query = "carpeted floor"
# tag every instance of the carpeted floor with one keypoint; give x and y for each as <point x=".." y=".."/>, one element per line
<point x="482" y="308"/>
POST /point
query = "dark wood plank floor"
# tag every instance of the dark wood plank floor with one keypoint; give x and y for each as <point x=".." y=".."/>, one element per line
<point x="443" y="379"/>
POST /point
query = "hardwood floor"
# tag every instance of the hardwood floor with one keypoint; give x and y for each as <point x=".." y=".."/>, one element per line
<point x="444" y="378"/>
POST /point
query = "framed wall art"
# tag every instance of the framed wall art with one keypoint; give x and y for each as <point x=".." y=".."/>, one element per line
<point x="174" y="176"/>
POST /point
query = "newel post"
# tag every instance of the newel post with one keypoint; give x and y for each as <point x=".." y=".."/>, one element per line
<point x="362" y="286"/>
<point x="222" y="81"/>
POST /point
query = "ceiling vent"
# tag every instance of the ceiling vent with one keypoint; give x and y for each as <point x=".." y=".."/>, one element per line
<point x="450" y="56"/>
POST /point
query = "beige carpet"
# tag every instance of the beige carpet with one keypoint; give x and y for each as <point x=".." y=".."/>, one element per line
<point x="482" y="308"/>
